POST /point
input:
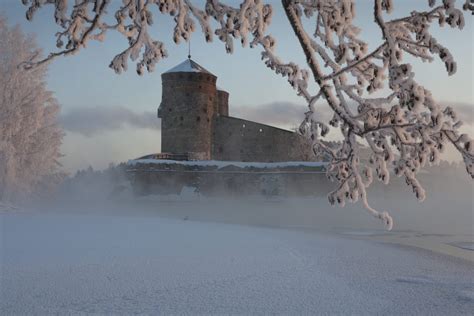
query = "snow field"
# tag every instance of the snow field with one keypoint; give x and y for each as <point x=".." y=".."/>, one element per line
<point x="76" y="264"/>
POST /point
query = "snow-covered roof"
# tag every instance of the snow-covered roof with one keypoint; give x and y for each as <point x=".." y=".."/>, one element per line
<point x="221" y="164"/>
<point x="189" y="65"/>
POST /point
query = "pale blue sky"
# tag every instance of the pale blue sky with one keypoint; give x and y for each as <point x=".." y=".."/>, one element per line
<point x="85" y="80"/>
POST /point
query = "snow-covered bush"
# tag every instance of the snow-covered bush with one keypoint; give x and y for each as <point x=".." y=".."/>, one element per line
<point x="29" y="134"/>
<point x="405" y="130"/>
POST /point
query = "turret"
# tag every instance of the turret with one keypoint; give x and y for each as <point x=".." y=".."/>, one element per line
<point x="223" y="102"/>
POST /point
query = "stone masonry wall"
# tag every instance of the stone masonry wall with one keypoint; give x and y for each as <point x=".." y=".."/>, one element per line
<point x="241" y="140"/>
<point x="189" y="102"/>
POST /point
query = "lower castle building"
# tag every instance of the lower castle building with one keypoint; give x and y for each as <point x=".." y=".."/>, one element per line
<point x="195" y="124"/>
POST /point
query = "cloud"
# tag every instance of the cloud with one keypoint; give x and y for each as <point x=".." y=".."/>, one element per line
<point x="288" y="114"/>
<point x="280" y="114"/>
<point x="90" y="121"/>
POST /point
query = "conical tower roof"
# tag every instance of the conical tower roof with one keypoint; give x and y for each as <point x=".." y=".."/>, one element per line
<point x="189" y="65"/>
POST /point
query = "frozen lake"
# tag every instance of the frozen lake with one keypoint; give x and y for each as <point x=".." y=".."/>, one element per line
<point x="103" y="264"/>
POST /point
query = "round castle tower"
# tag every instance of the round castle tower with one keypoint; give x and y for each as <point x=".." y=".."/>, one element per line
<point x="189" y="103"/>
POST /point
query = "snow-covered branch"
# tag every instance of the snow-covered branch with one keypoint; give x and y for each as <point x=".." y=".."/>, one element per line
<point x="403" y="131"/>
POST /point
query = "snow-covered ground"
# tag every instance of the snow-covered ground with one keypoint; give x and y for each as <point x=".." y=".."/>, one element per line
<point x="102" y="264"/>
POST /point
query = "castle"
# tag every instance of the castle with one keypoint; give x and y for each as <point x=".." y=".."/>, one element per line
<point x="195" y="124"/>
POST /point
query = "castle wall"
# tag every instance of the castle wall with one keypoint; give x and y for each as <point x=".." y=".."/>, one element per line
<point x="155" y="178"/>
<point x="241" y="140"/>
<point x="189" y="103"/>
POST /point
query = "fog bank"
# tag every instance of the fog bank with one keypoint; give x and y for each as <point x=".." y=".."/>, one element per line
<point x="448" y="208"/>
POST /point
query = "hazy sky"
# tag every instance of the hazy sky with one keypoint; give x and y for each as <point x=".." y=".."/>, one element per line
<point x="112" y="118"/>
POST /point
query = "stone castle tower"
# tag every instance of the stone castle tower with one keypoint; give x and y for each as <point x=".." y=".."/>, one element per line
<point x="190" y="102"/>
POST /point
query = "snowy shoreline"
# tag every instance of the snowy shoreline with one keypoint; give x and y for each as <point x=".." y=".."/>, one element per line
<point x="76" y="264"/>
<point x="453" y="245"/>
